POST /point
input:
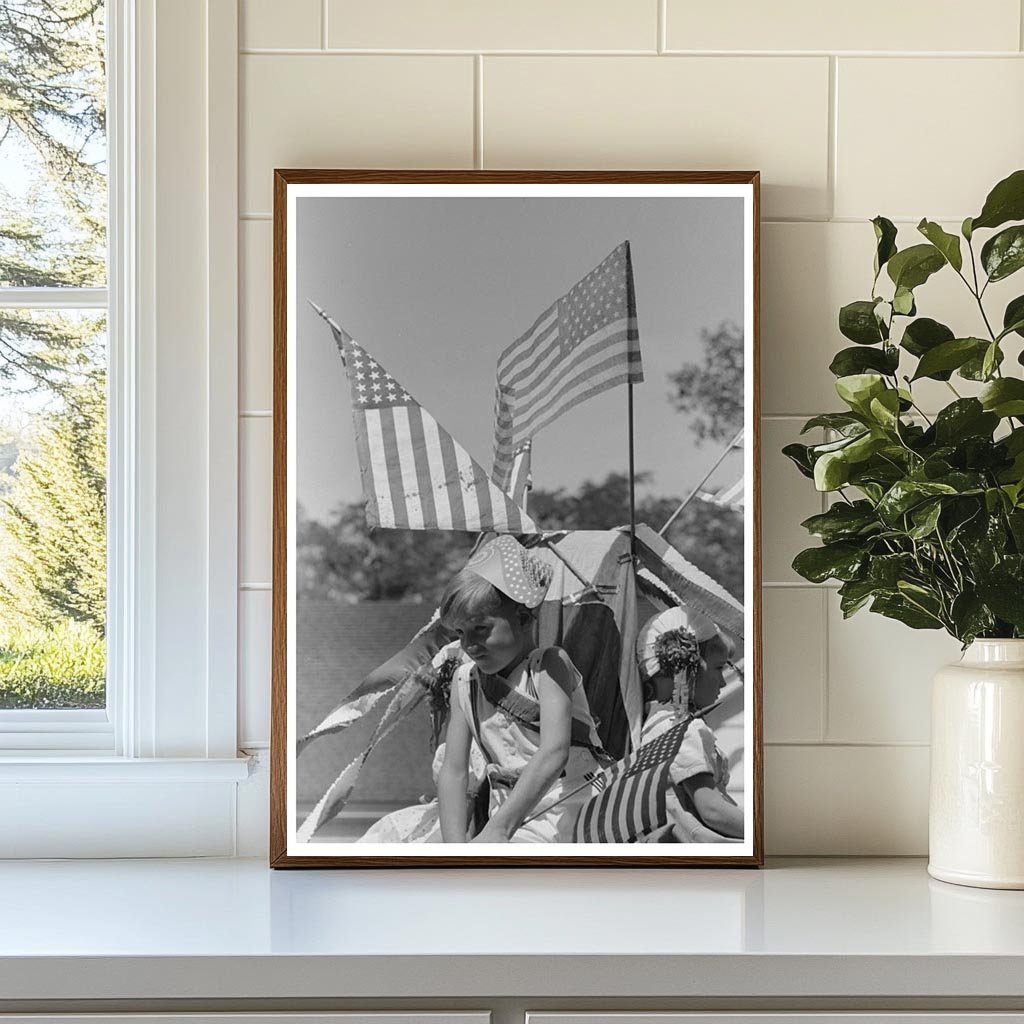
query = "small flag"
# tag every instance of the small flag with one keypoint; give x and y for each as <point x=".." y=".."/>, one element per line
<point x="733" y="497"/>
<point x="634" y="800"/>
<point x="415" y="475"/>
<point x="583" y="344"/>
<point x="522" y="479"/>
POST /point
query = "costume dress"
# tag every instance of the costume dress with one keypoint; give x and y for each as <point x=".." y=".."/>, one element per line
<point x="699" y="754"/>
<point x="499" y="716"/>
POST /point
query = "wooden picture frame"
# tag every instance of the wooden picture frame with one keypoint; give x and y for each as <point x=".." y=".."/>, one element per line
<point x="448" y="267"/>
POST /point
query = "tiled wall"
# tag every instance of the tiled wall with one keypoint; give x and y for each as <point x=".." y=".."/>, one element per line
<point x="907" y="109"/>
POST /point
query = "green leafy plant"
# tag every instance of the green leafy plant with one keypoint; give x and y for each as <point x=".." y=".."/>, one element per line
<point x="927" y="525"/>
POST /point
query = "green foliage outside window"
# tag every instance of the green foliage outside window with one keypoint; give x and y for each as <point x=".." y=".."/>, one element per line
<point x="52" y="365"/>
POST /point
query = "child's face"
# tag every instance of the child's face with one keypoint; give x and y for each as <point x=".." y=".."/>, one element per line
<point x="711" y="678"/>
<point x="495" y="642"/>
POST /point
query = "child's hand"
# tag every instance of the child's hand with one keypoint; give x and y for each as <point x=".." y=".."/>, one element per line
<point x="490" y="834"/>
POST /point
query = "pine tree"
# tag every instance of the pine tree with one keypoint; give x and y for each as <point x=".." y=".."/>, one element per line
<point x="53" y="519"/>
<point x="52" y="124"/>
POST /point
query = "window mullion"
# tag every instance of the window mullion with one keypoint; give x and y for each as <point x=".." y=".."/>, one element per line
<point x="53" y="298"/>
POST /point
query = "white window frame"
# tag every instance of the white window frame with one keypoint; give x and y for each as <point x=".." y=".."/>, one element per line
<point x="170" y="731"/>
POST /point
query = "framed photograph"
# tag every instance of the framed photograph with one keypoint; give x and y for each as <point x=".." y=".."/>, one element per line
<point x="516" y="565"/>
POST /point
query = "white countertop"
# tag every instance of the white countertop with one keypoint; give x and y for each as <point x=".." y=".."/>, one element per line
<point x="235" y="929"/>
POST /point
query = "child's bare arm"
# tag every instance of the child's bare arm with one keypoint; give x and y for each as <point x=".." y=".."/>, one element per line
<point x="714" y="808"/>
<point x="554" y="684"/>
<point x="453" y="777"/>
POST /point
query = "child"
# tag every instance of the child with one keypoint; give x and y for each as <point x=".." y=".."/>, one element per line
<point x="524" y="706"/>
<point x="682" y="657"/>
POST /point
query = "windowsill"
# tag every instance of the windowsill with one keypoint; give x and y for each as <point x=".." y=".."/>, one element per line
<point x="77" y="766"/>
<point x="823" y="928"/>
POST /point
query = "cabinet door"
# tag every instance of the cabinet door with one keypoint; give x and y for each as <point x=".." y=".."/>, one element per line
<point x="790" y="1017"/>
<point x="361" y="1017"/>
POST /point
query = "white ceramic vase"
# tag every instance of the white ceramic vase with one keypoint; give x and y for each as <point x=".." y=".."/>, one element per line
<point x="976" y="814"/>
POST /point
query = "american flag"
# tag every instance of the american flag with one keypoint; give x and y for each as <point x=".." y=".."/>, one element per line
<point x="583" y="344"/>
<point x="633" y="800"/>
<point x="415" y="475"/>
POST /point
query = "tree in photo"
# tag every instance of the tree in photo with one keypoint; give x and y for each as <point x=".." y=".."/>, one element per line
<point x="712" y="390"/>
<point x="343" y="560"/>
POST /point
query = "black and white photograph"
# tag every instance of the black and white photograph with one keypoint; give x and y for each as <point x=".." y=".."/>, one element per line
<point x="515" y="554"/>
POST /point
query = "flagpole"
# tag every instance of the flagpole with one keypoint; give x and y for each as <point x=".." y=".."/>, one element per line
<point x="335" y="327"/>
<point x="632" y="476"/>
<point x="686" y="501"/>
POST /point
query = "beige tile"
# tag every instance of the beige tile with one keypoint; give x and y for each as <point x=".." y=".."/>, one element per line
<point x="255" y="499"/>
<point x="255" y="320"/>
<point x="254" y="610"/>
<point x="846" y="801"/>
<point x="794" y="663"/>
<point x="272" y="25"/>
<point x="691" y="113"/>
<point x="869" y="25"/>
<point x="504" y="25"/>
<point x="880" y="676"/>
<point x="787" y="498"/>
<point x="962" y="131"/>
<point x="359" y="111"/>
<point x="808" y="271"/>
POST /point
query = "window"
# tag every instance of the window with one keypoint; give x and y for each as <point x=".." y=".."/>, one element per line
<point x="53" y="369"/>
<point x="155" y="771"/>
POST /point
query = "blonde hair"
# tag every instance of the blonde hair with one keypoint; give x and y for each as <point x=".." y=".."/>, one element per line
<point x="468" y="596"/>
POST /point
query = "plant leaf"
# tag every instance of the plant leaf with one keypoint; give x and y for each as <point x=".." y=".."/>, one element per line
<point x="885" y="409"/>
<point x="949" y="355"/>
<point x="1005" y="597"/>
<point x="1003" y="254"/>
<point x="903" y="302"/>
<point x="858" y="389"/>
<point x="925" y="518"/>
<point x="966" y="417"/>
<point x="831" y="471"/>
<point x="974" y="368"/>
<point x="1004" y="397"/>
<point x="840" y="561"/>
<point x="947" y="244"/>
<point x="912" y="267"/>
<point x="832" y="420"/>
<point x="906" y="494"/>
<point x="923" y="335"/>
<point x="896" y="607"/>
<point x="970" y="617"/>
<point x="842" y="521"/>
<point x="857" y="321"/>
<point x="885" y="237"/>
<point x="1005" y="202"/>
<point x="849" y="361"/>
<point x="1013" y="316"/>
<point x="799" y="455"/>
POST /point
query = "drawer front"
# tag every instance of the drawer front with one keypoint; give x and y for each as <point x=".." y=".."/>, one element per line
<point x="361" y="1017"/>
<point x="934" y="1017"/>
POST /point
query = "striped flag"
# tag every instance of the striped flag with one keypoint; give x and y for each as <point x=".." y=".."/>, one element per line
<point x="583" y="344"/>
<point x="521" y="480"/>
<point x="732" y="497"/>
<point x="415" y="475"/>
<point x="634" y="799"/>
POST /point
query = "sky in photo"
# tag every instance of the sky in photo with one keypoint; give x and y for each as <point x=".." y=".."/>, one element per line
<point x="436" y="288"/>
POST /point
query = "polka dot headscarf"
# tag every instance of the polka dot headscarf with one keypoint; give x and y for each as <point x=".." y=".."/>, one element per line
<point x="504" y="563"/>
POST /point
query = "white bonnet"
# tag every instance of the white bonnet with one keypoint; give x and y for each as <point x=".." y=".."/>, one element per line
<point x="678" y="617"/>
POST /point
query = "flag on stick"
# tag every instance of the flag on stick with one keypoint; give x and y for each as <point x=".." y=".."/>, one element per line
<point x="633" y="800"/>
<point x="583" y="344"/>
<point x="522" y="480"/>
<point x="415" y="475"/>
<point x="733" y="497"/>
